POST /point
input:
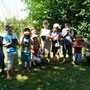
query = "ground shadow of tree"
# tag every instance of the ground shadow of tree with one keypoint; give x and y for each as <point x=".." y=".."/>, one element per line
<point x="50" y="77"/>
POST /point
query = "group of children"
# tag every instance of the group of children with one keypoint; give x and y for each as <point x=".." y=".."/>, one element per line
<point x="32" y="51"/>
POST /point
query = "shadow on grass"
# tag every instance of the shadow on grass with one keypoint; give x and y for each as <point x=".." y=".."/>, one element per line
<point x="50" y="77"/>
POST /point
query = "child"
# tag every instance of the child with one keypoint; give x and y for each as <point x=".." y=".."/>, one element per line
<point x="45" y="36"/>
<point x="78" y="44"/>
<point x="87" y="50"/>
<point x="56" y="35"/>
<point x="33" y="30"/>
<point x="67" y="34"/>
<point x="10" y="41"/>
<point x="2" y="66"/>
<point x="25" y="49"/>
<point x="36" y="56"/>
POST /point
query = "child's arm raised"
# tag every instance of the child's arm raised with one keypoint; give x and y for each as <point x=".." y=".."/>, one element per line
<point x="21" y="41"/>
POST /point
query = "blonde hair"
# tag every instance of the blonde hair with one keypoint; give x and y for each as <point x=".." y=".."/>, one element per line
<point x="45" y="22"/>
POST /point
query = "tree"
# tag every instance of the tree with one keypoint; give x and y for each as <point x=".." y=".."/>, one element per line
<point x="77" y="11"/>
<point x="18" y="25"/>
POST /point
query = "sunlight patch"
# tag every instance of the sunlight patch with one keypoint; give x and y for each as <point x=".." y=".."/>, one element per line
<point x="21" y="78"/>
<point x="76" y="66"/>
<point x="43" y="67"/>
<point x="82" y="69"/>
<point x="39" y="89"/>
<point x="36" y="69"/>
<point x="62" y="68"/>
<point x="58" y="68"/>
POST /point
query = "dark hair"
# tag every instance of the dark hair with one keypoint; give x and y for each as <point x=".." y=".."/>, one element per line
<point x="26" y="29"/>
<point x="8" y="26"/>
<point x="67" y="21"/>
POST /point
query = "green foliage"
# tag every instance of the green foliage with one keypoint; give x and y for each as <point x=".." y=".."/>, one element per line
<point x="1" y="26"/>
<point x="18" y="25"/>
<point x="78" y="11"/>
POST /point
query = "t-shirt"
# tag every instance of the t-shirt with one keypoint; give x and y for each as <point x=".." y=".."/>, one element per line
<point x="36" y="49"/>
<point x="67" y="40"/>
<point x="26" y="44"/>
<point x="1" y="49"/>
<point x="45" y="32"/>
<point x="56" y="42"/>
<point x="77" y="49"/>
<point x="8" y="39"/>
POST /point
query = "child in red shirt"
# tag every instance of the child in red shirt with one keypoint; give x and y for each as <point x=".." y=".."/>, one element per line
<point x="78" y="44"/>
<point x="35" y="53"/>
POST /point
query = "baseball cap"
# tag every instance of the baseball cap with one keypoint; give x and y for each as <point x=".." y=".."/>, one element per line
<point x="34" y="35"/>
<point x="56" y="25"/>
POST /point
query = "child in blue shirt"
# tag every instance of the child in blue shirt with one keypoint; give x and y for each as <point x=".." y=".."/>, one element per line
<point x="2" y="66"/>
<point x="10" y="41"/>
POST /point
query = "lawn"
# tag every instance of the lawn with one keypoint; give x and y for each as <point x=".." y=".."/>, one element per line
<point x="50" y="77"/>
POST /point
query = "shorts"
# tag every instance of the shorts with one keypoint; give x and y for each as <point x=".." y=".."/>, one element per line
<point x="56" y="50"/>
<point x="77" y="56"/>
<point x="2" y="65"/>
<point x="35" y="58"/>
<point x="12" y="61"/>
<point x="65" y="48"/>
<point x="45" y="46"/>
<point x="25" y="57"/>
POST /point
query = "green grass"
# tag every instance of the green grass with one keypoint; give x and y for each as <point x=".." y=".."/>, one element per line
<point x="49" y="77"/>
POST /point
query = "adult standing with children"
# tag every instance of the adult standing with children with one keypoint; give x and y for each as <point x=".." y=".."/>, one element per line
<point x="67" y="34"/>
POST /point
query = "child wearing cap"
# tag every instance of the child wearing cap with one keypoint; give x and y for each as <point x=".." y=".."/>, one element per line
<point x="35" y="46"/>
<point x="10" y="41"/>
<point x="2" y="65"/>
<point x="45" y="36"/>
<point x="25" y="43"/>
<point x="67" y="34"/>
<point x="56" y="42"/>
<point x="78" y="44"/>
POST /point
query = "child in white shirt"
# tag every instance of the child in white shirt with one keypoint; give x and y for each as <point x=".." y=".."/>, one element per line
<point x="45" y="36"/>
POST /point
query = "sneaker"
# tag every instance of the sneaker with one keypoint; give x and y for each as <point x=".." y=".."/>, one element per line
<point x="73" y="63"/>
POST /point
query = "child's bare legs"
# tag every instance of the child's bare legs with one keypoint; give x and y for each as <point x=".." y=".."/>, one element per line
<point x="58" y="59"/>
<point x="13" y="71"/>
<point x="8" y="75"/>
<point x="70" y="58"/>
<point x="48" y="57"/>
<point x="74" y="58"/>
<point x="42" y="60"/>
<point x="28" y="64"/>
<point x="23" y="67"/>
<point x="64" y="60"/>
<point x="54" y="58"/>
